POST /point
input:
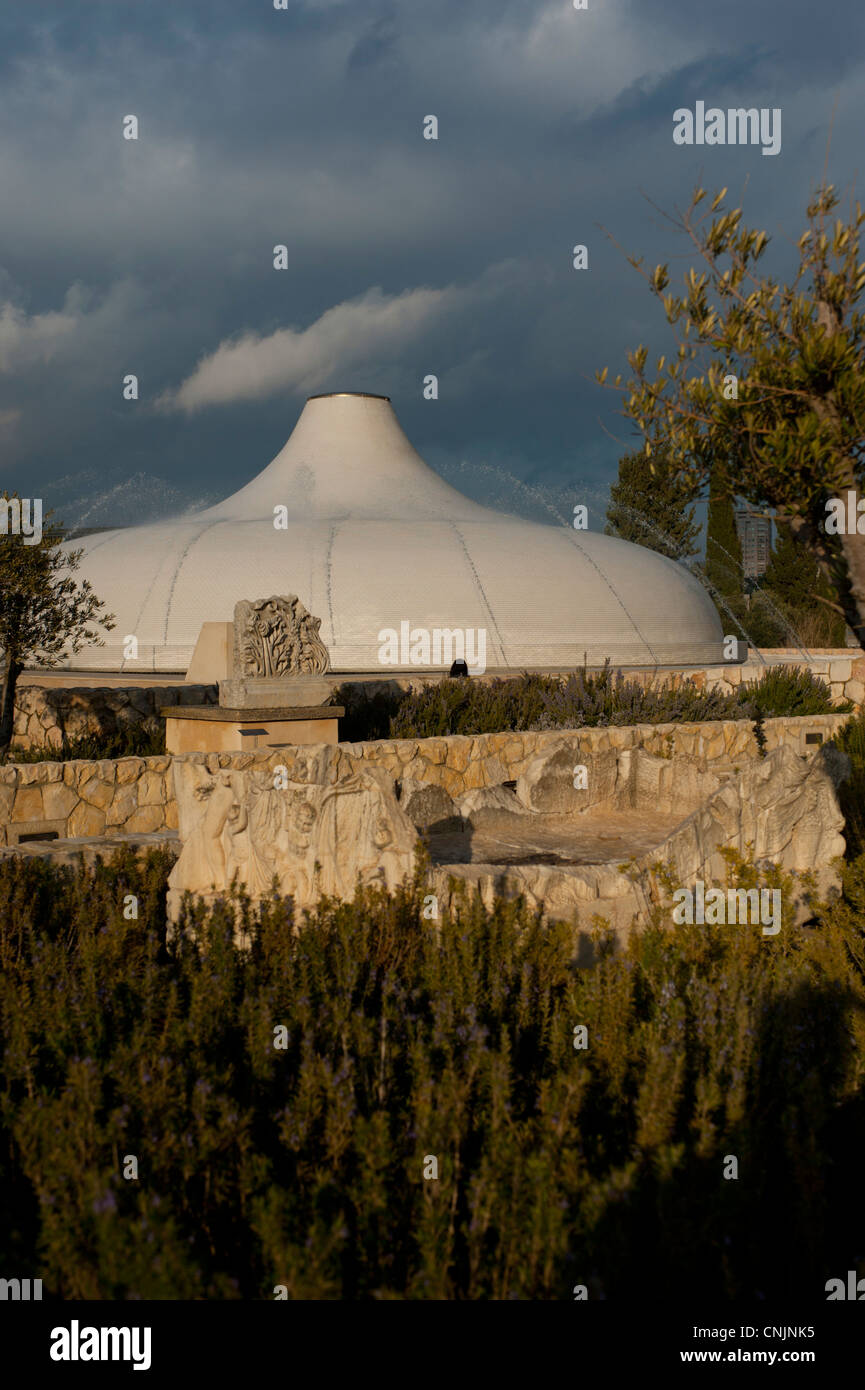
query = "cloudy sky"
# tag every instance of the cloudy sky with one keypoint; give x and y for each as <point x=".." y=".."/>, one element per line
<point x="406" y="256"/>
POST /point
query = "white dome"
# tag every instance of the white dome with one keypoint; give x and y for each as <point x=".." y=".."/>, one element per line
<point x="374" y="539"/>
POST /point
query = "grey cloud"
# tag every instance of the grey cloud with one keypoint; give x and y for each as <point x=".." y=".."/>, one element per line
<point x="304" y="127"/>
<point x="376" y="45"/>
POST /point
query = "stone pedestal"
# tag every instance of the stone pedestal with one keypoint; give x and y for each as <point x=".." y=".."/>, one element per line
<point x="217" y="729"/>
<point x="272" y="688"/>
<point x="274" y="692"/>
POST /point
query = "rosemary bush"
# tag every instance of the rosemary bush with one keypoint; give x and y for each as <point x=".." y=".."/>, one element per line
<point x="584" y="699"/>
<point x="144" y="740"/>
<point x="408" y="1038"/>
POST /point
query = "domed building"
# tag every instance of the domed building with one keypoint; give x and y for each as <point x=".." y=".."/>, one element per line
<point x="350" y="518"/>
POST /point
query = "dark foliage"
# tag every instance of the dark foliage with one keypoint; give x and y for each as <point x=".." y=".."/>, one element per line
<point x="407" y="1038"/>
<point x="650" y="506"/>
<point x="787" y="606"/>
<point x="723" y="547"/>
<point x="144" y="740"/>
<point x="584" y="700"/>
<point x="851" y="794"/>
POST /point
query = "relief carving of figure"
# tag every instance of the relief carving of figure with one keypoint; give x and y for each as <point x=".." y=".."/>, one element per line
<point x="206" y="843"/>
<point x="358" y="836"/>
<point x="319" y="832"/>
<point x="252" y="835"/>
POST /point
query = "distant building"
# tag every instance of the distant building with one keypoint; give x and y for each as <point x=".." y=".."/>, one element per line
<point x="755" y="534"/>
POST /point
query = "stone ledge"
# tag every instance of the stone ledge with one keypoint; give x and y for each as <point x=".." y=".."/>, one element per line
<point x="252" y="715"/>
<point x="90" y="847"/>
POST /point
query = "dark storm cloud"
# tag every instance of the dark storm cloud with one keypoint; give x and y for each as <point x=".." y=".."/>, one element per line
<point x="376" y="45"/>
<point x="406" y="257"/>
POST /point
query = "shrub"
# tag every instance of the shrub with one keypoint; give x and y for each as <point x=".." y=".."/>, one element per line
<point x="366" y="716"/>
<point x="851" y="794"/>
<point x="407" y="1038"/>
<point x="144" y="740"/>
<point x="789" y="690"/>
<point x="584" y="699"/>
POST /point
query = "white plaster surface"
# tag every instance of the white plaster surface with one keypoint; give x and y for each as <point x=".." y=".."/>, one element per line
<point x="375" y="538"/>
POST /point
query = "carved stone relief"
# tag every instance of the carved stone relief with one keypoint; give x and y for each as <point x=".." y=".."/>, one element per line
<point x="311" y="831"/>
<point x="277" y="636"/>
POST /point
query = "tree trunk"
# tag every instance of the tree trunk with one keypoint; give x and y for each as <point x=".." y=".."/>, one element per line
<point x="826" y="408"/>
<point x="850" y="585"/>
<point x="853" y="601"/>
<point x="11" y="672"/>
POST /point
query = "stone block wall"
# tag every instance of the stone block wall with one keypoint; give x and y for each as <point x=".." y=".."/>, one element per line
<point x="136" y="795"/>
<point x="44" y="714"/>
<point x="842" y="668"/>
<point x="461" y="763"/>
<point x="112" y="796"/>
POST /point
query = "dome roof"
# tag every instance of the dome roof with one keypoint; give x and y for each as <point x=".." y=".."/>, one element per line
<point x="369" y="537"/>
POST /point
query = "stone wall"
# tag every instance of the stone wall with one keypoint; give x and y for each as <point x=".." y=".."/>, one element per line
<point x="462" y="763"/>
<point x="137" y="794"/>
<point x="842" y="668"/>
<point x="331" y="818"/>
<point x="44" y="714"/>
<point x="113" y="796"/>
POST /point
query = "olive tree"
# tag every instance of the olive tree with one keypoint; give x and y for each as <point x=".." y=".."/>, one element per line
<point x="767" y="376"/>
<point x="43" y="609"/>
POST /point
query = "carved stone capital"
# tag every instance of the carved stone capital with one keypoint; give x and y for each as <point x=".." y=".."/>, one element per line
<point x="275" y="637"/>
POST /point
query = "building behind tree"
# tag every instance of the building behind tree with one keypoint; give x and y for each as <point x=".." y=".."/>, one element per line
<point x="755" y="536"/>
